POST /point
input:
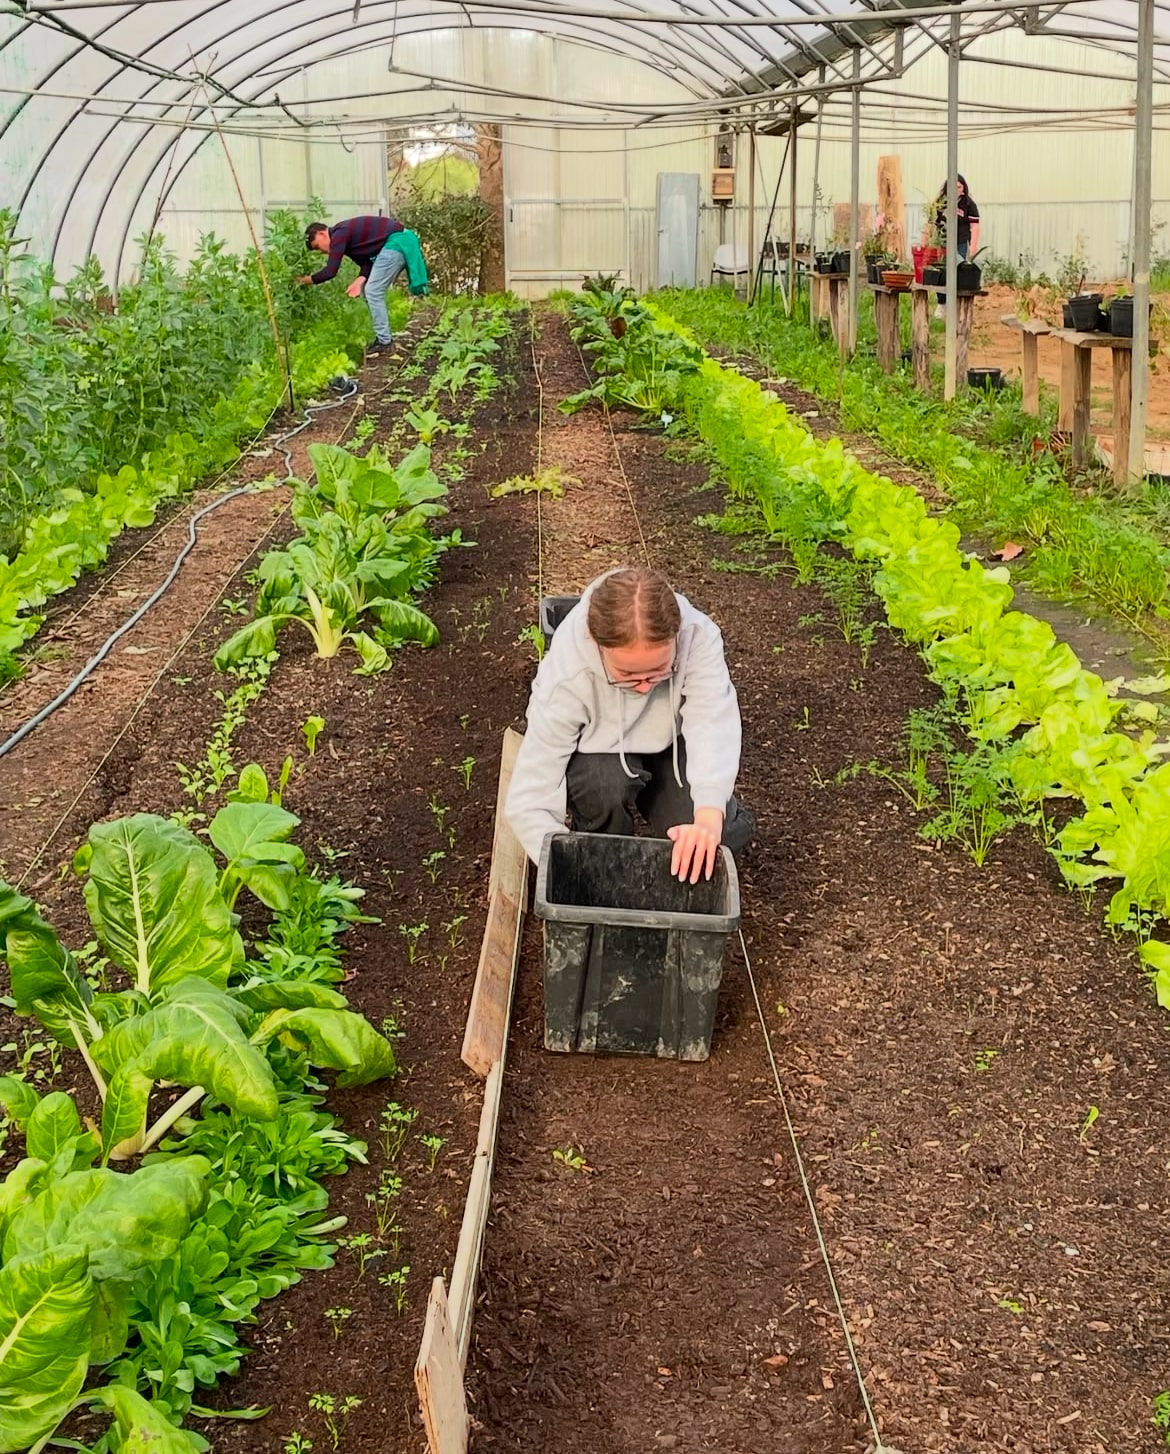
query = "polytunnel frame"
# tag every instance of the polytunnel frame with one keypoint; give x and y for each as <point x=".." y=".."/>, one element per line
<point x="839" y="34"/>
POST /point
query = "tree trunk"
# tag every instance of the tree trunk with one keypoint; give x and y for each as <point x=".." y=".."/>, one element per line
<point x="891" y="204"/>
<point x="490" y="152"/>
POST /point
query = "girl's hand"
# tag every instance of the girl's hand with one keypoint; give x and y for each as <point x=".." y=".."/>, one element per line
<point x="696" y="845"/>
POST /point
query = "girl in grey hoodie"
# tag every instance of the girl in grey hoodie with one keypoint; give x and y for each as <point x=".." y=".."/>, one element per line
<point x="633" y="707"/>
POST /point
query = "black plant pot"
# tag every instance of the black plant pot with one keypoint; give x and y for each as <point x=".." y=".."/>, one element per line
<point x="873" y="269"/>
<point x="934" y="277"/>
<point x="841" y="262"/>
<point x="1067" y="316"/>
<point x="968" y="277"/>
<point x="824" y="262"/>
<point x="1121" y="317"/>
<point x="1103" y="320"/>
<point x="985" y="378"/>
<point x="1084" y="311"/>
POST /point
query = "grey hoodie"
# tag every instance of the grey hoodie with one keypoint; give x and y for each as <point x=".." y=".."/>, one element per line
<point x="574" y="708"/>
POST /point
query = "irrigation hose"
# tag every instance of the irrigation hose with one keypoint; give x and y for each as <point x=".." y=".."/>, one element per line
<point x="350" y="388"/>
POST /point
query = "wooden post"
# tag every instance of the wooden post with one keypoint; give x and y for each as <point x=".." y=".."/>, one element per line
<point x="886" y="312"/>
<point x="490" y="152"/>
<point x="920" y="337"/>
<point x="1068" y="386"/>
<point x="891" y="203"/>
<point x="1122" y="399"/>
<point x="839" y="312"/>
<point x="963" y="341"/>
<point x="818" y="296"/>
<point x="1082" y="401"/>
<point x="1031" y="372"/>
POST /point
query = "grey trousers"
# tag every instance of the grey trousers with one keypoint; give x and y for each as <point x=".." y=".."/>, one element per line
<point x="602" y="799"/>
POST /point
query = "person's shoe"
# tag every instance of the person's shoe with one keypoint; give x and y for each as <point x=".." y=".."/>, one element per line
<point x="378" y="348"/>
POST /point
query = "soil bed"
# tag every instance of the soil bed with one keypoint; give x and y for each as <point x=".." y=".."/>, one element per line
<point x="943" y="1032"/>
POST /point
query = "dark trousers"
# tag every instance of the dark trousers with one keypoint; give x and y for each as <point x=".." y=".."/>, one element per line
<point x="602" y="799"/>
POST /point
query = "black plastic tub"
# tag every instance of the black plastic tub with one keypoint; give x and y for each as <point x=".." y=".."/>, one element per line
<point x="968" y="277"/>
<point x="935" y="276"/>
<point x="553" y="610"/>
<point x="633" y="958"/>
<point x="842" y="262"/>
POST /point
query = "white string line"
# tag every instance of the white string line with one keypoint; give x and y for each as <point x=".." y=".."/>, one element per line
<point x="539" y="461"/>
<point x="879" y="1446"/>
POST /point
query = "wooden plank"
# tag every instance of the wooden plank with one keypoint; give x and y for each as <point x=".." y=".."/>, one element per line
<point x="509" y="870"/>
<point x="1064" y="418"/>
<point x="491" y="998"/>
<point x="1122" y="399"/>
<point x="438" y="1378"/>
<point x="469" y="1251"/>
<point x="891" y="203"/>
<point x="920" y="339"/>
<point x="887" y="314"/>
<point x="1031" y="373"/>
<point x="1082" y="402"/>
<point x="1034" y="326"/>
<point x="1091" y="340"/>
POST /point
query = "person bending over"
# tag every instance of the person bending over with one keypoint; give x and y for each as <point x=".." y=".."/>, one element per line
<point x="633" y="708"/>
<point x="363" y="240"/>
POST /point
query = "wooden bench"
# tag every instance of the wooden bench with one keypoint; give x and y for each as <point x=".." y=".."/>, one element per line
<point x="1076" y="377"/>
<point x="887" y="317"/>
<point x="830" y="299"/>
<point x="1029" y="329"/>
<point x="920" y="332"/>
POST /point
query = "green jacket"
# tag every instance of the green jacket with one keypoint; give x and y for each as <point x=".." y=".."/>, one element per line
<point x="407" y="243"/>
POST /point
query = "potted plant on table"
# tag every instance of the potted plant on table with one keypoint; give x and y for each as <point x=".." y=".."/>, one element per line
<point x="842" y="258"/>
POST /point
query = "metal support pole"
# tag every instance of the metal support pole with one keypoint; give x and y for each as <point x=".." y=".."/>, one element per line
<point x="772" y="217"/>
<point x="816" y="188"/>
<point x="855" y="202"/>
<point x="1142" y="205"/>
<point x="792" y="274"/>
<point x="751" y="212"/>
<point x="950" y="356"/>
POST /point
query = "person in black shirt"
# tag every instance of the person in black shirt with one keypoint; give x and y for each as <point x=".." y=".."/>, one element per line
<point x="362" y="239"/>
<point x="968" y="212"/>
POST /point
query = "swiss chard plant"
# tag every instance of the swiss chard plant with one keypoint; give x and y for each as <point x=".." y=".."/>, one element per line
<point x="365" y="552"/>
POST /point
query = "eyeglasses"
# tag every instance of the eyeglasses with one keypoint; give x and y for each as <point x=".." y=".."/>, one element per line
<point x="649" y="679"/>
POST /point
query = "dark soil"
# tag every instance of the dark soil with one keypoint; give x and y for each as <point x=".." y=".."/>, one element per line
<point x="941" y="1032"/>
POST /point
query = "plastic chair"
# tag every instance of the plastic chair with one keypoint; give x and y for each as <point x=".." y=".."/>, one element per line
<point x="730" y="260"/>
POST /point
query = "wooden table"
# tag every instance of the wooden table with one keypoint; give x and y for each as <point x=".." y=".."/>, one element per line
<point x="830" y="298"/>
<point x="920" y="332"/>
<point x="887" y="316"/>
<point x="1029" y="329"/>
<point x="1076" y="376"/>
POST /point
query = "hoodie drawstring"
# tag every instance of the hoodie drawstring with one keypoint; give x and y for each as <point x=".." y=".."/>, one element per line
<point x="674" y="733"/>
<point x="622" y="735"/>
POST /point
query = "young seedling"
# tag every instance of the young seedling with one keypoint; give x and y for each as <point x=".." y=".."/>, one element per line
<point x="466" y="767"/>
<point x="412" y="933"/>
<point x="434" y="1145"/>
<point x="1088" y="1123"/>
<point x="572" y="1158"/>
<point x="297" y="1443"/>
<point x="453" y="930"/>
<point x="338" y="1317"/>
<point x="438" y="810"/>
<point x="335" y="1412"/>
<point x="432" y="864"/>
<point x="382" y="1201"/>
<point x="395" y="1123"/>
<point x="534" y="636"/>
<point x="361" y="1244"/>
<point x="396" y="1282"/>
<point x="312" y="727"/>
<point x="983" y="1060"/>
